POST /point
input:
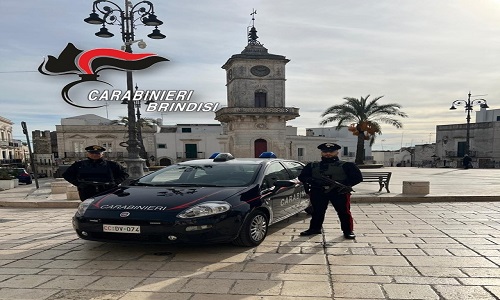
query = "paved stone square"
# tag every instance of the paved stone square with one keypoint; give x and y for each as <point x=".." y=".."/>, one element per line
<point x="403" y="251"/>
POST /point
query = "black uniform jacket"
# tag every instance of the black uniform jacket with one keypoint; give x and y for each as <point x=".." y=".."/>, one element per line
<point x="353" y="174"/>
<point x="72" y="173"/>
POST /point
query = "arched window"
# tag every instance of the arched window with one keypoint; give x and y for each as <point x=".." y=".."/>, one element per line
<point x="260" y="99"/>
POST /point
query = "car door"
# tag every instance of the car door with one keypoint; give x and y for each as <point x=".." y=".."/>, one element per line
<point x="300" y="198"/>
<point x="277" y="196"/>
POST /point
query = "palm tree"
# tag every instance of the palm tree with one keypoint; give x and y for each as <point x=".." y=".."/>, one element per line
<point x="365" y="118"/>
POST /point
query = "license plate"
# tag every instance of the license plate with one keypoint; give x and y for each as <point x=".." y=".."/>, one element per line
<point x="121" y="228"/>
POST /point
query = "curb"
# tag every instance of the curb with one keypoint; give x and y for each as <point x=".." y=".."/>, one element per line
<point x="41" y="204"/>
<point x="423" y="198"/>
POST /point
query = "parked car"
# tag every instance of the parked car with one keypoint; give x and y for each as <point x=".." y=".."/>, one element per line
<point x="40" y="175"/>
<point x="197" y="201"/>
<point x="22" y="175"/>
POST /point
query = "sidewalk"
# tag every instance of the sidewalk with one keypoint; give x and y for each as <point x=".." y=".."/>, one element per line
<point x="446" y="185"/>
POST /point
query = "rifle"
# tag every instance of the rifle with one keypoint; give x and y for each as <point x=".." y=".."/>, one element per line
<point x="342" y="188"/>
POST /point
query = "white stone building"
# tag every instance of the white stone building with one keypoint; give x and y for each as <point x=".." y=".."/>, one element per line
<point x="484" y="141"/>
<point x="425" y="156"/>
<point x="484" y="144"/>
<point x="12" y="152"/>
<point x="175" y="143"/>
<point x="343" y="137"/>
<point x="76" y="133"/>
<point x="487" y="115"/>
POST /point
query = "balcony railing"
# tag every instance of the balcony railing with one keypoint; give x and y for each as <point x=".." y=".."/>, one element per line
<point x="225" y="114"/>
<point x="9" y="144"/>
<point x="190" y="155"/>
<point x="455" y="154"/>
<point x="11" y="161"/>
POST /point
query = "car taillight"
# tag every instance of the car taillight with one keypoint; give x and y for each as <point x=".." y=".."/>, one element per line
<point x="25" y="174"/>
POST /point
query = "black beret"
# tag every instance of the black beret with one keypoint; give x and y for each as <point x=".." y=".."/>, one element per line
<point x="328" y="147"/>
<point x="95" y="149"/>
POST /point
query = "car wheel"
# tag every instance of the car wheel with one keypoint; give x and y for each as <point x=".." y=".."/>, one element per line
<point x="253" y="231"/>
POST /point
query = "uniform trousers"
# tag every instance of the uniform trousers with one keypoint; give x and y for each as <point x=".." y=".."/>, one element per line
<point x="341" y="203"/>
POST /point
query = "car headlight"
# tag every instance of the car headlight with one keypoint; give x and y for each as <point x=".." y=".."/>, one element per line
<point x="205" y="209"/>
<point x="83" y="206"/>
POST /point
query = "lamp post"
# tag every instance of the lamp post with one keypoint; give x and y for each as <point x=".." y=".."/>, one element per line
<point x="142" y="150"/>
<point x="468" y="108"/>
<point x="127" y="19"/>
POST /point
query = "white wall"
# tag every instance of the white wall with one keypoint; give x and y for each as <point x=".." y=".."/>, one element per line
<point x="485" y="115"/>
<point x="343" y="137"/>
<point x="207" y="137"/>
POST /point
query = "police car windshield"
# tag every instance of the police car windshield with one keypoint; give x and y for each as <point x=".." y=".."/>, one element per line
<point x="221" y="175"/>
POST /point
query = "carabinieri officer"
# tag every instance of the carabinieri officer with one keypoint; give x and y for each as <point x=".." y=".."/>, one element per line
<point x="95" y="174"/>
<point x="321" y="192"/>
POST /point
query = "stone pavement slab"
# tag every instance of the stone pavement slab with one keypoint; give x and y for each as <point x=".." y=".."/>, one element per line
<point x="401" y="252"/>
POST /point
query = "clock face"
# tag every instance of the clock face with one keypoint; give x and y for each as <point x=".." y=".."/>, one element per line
<point x="260" y="71"/>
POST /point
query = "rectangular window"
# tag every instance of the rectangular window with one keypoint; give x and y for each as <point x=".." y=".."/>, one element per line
<point x="498" y="118"/>
<point x="346" y="151"/>
<point x="3" y="136"/>
<point x="78" y="146"/>
<point x="108" y="146"/>
<point x="300" y="151"/>
<point x="162" y="146"/>
<point x="186" y="129"/>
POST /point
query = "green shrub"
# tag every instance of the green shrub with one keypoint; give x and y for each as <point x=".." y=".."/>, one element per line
<point x="5" y="174"/>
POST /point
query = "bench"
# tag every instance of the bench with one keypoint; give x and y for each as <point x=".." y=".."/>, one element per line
<point x="382" y="178"/>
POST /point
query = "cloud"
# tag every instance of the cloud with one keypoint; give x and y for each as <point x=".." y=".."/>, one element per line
<point x="421" y="54"/>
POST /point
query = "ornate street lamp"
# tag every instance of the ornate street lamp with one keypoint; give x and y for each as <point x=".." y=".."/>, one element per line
<point x="127" y="19"/>
<point x="137" y="104"/>
<point x="468" y="108"/>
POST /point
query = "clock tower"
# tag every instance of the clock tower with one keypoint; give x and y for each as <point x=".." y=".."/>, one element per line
<point x="256" y="114"/>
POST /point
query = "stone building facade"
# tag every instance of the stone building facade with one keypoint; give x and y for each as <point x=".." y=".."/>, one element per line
<point x="45" y="151"/>
<point x="76" y="133"/>
<point x="484" y="144"/>
<point x="12" y="152"/>
<point x="176" y="143"/>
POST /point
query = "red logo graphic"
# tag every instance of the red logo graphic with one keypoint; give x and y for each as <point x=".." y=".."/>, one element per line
<point x="87" y="64"/>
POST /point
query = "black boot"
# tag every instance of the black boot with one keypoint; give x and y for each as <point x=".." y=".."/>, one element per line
<point x="349" y="235"/>
<point x="310" y="232"/>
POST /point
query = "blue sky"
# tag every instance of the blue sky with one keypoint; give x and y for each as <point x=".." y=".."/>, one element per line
<point x="421" y="54"/>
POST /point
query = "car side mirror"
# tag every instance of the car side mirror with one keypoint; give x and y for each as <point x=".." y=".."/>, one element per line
<point x="283" y="183"/>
